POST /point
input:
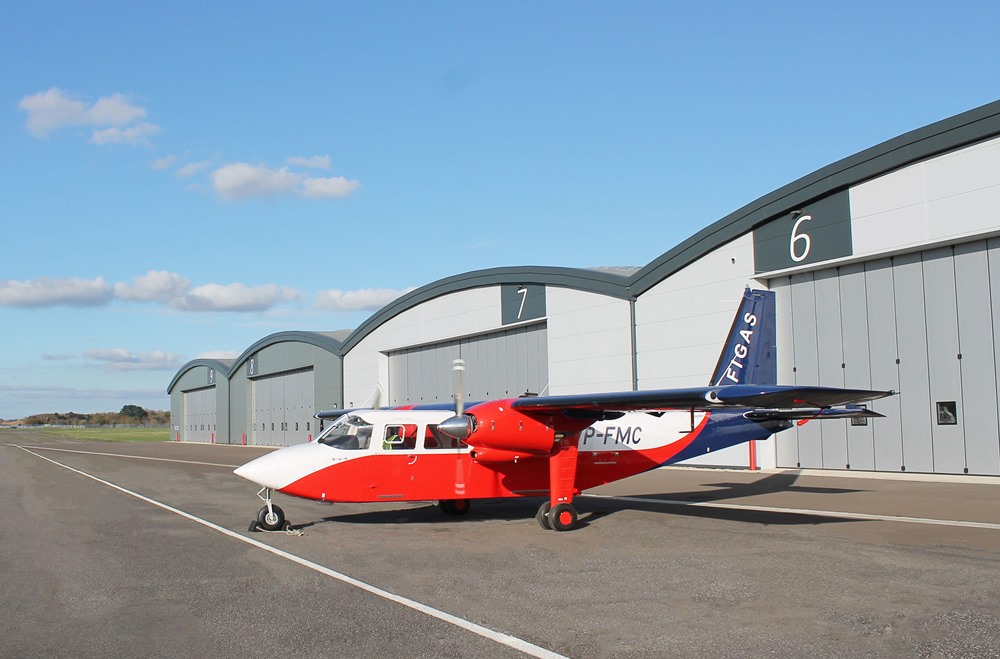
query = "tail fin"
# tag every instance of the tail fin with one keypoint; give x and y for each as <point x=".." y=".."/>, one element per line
<point x="749" y="354"/>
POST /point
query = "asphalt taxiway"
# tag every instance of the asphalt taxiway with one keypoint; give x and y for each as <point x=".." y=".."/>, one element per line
<point x="143" y="549"/>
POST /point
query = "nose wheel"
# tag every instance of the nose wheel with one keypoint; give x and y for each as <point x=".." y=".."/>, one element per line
<point x="270" y="517"/>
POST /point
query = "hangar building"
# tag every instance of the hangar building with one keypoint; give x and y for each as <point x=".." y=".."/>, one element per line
<point x="886" y="272"/>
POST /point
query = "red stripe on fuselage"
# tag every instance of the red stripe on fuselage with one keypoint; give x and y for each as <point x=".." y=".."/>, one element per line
<point x="431" y="475"/>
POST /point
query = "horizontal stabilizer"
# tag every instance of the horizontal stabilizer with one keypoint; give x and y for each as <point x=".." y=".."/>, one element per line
<point x="849" y="412"/>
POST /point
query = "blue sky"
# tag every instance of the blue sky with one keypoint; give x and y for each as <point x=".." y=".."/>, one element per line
<point x="179" y="180"/>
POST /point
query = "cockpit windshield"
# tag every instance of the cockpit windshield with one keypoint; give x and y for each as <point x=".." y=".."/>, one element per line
<point x="350" y="433"/>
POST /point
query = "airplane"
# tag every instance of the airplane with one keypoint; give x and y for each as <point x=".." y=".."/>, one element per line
<point x="548" y="446"/>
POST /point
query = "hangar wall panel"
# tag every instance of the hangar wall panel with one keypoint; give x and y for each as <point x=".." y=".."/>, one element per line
<point x="589" y="342"/>
<point x="880" y="298"/>
<point x="283" y="409"/>
<point x="681" y="325"/>
<point x="857" y="360"/>
<point x="944" y="198"/>
<point x="922" y="324"/>
<point x="201" y="379"/>
<point x="283" y="358"/>
<point x="498" y="365"/>
<point x="199" y="423"/>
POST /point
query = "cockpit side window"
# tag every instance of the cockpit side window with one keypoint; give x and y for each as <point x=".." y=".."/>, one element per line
<point x="349" y="433"/>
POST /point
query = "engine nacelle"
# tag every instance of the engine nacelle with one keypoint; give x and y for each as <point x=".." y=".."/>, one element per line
<point x="501" y="429"/>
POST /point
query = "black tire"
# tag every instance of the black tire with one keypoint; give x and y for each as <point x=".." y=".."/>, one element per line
<point x="274" y="522"/>
<point x="454" y="506"/>
<point x="562" y="517"/>
<point x="542" y="516"/>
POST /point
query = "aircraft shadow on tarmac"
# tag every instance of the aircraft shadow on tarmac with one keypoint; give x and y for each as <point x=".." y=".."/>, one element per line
<point x="592" y="509"/>
<point x="779" y="482"/>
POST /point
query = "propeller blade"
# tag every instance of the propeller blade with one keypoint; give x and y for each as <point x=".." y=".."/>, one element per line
<point x="458" y="372"/>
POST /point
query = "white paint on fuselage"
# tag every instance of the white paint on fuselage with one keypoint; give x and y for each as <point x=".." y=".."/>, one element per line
<point x="639" y="430"/>
<point x="634" y="431"/>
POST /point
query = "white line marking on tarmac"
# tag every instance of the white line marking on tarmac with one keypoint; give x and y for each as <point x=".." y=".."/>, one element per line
<point x="804" y="511"/>
<point x="122" y="455"/>
<point x="499" y="637"/>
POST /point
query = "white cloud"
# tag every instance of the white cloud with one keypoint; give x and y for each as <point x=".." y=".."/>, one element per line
<point x="366" y="299"/>
<point x="162" y="163"/>
<point x="137" y="134"/>
<point x="54" y="109"/>
<point x="235" y="297"/>
<point x="45" y="292"/>
<point x="60" y="357"/>
<point x="158" y="285"/>
<point x="244" y="181"/>
<point x="189" y="170"/>
<point x="325" y="188"/>
<point x="119" y="359"/>
<point x="164" y="287"/>
<point x="315" y="162"/>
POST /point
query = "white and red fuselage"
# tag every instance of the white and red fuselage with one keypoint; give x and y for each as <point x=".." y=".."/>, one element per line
<point x="398" y="454"/>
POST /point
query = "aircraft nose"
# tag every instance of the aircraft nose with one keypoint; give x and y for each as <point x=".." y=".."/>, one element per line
<point x="264" y="471"/>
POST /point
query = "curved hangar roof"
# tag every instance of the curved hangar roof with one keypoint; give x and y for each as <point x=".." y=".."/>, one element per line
<point x="947" y="135"/>
<point x="329" y="341"/>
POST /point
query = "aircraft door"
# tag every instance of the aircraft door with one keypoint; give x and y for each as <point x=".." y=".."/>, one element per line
<point x="398" y="462"/>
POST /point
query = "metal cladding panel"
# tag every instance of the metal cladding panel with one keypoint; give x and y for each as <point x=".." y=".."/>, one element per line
<point x="881" y="306"/>
<point x="786" y="444"/>
<point x="978" y="363"/>
<point x="809" y="436"/>
<point x="857" y="371"/>
<point x="199" y="415"/>
<point x="497" y="365"/>
<point x="947" y="434"/>
<point x="830" y="362"/>
<point x="284" y="405"/>
<point x="993" y="252"/>
<point x="914" y="377"/>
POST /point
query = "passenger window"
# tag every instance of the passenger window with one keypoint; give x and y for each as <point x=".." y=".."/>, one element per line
<point x="400" y="438"/>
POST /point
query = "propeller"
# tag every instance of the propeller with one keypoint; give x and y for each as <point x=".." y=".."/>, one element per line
<point x="461" y="426"/>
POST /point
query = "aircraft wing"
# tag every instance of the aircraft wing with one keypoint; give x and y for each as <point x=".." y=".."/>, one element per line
<point x="785" y="397"/>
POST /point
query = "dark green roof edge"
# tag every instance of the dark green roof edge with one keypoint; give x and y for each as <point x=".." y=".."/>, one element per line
<point x="221" y="367"/>
<point x="318" y="339"/>
<point x="592" y="281"/>
<point x="947" y="135"/>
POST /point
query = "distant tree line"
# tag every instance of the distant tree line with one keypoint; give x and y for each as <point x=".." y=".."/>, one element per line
<point x="130" y="415"/>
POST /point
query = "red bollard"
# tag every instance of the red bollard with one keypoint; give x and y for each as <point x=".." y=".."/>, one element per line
<point x="753" y="455"/>
<point x="177" y="437"/>
<point x="244" y="439"/>
<point x="213" y="437"/>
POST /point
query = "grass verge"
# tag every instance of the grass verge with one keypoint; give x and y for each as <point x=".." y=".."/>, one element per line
<point x="108" y="434"/>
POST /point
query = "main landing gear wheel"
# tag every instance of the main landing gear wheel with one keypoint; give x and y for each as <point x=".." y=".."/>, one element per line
<point x="542" y="516"/>
<point x="271" y="520"/>
<point x="454" y="506"/>
<point x="562" y="517"/>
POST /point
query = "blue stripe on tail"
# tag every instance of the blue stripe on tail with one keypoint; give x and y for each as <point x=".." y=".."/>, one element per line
<point x="749" y="354"/>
